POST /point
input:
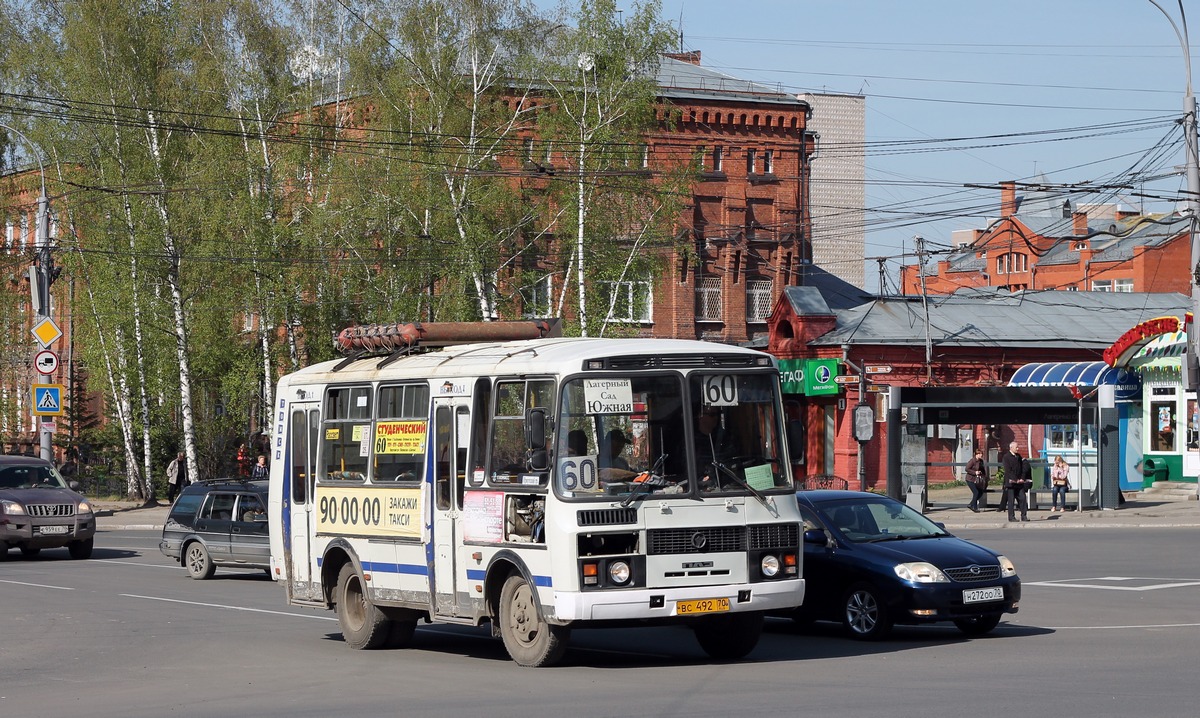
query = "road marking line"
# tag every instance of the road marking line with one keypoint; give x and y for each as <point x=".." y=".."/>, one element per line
<point x="1105" y="628"/>
<point x="1079" y="583"/>
<point x="38" y="585"/>
<point x="231" y="608"/>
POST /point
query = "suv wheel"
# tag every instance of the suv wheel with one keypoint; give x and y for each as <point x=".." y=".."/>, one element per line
<point x="81" y="549"/>
<point x="198" y="563"/>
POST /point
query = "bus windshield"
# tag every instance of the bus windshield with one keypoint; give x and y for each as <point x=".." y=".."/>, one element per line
<point x="647" y="435"/>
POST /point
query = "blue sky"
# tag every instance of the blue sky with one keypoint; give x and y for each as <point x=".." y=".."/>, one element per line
<point x="1056" y="74"/>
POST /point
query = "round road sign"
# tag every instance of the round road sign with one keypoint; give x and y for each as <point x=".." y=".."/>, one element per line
<point x="46" y="362"/>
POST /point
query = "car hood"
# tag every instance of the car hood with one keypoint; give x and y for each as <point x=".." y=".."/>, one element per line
<point x="943" y="551"/>
<point x="41" y="496"/>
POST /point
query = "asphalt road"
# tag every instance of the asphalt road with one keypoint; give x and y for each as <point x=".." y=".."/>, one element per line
<point x="1108" y="627"/>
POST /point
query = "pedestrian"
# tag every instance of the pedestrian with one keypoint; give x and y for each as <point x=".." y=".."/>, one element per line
<point x="177" y="478"/>
<point x="260" y="470"/>
<point x="242" y="459"/>
<point x="977" y="480"/>
<point x="1018" y="485"/>
<point x="1060" y="483"/>
<point x="1010" y="464"/>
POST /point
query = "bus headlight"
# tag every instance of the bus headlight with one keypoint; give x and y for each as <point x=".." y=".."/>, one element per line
<point x="619" y="572"/>
<point x="770" y="565"/>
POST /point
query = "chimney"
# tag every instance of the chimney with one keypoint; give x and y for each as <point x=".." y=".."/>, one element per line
<point x="1079" y="224"/>
<point x="1008" y="199"/>
<point x="691" y="58"/>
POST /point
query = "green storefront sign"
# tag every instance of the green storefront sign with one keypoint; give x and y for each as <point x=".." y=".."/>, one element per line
<point x="811" y="377"/>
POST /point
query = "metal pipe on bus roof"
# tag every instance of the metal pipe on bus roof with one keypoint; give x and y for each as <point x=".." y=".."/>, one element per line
<point x="390" y="337"/>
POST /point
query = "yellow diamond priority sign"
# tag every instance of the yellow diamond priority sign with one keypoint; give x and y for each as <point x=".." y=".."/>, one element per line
<point x="46" y="332"/>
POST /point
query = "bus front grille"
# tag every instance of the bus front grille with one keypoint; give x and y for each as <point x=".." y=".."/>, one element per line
<point x="607" y="517"/>
<point x="711" y="539"/>
<point x="774" y="536"/>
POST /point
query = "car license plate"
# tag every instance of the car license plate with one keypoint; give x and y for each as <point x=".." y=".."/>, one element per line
<point x="979" y="595"/>
<point x="56" y="529"/>
<point x="702" y="605"/>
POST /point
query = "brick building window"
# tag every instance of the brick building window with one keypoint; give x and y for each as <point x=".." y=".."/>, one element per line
<point x="768" y="162"/>
<point x="708" y="298"/>
<point x="1112" y="285"/>
<point x="535" y="298"/>
<point x="758" y="300"/>
<point x="751" y="160"/>
<point x="718" y="159"/>
<point x="1012" y="263"/>
<point x="627" y="301"/>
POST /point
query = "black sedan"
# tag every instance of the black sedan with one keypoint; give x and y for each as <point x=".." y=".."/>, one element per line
<point x="871" y="562"/>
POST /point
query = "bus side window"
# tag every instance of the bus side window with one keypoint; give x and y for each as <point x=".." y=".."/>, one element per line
<point x="476" y="463"/>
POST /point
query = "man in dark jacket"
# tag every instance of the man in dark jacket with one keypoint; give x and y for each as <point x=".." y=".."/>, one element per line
<point x="1010" y="462"/>
<point x="1017" y="479"/>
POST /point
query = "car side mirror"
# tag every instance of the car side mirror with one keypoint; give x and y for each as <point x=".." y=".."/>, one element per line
<point x="817" y="537"/>
<point x="74" y="485"/>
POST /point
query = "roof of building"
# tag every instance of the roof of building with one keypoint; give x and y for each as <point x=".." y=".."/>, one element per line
<point x="679" y="80"/>
<point x="995" y="318"/>
<point x="834" y="292"/>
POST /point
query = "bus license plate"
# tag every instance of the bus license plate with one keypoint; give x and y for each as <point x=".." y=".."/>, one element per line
<point x="702" y="605"/>
<point x="979" y="595"/>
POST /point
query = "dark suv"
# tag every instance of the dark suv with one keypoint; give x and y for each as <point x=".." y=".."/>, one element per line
<point x="39" y="509"/>
<point x="220" y="522"/>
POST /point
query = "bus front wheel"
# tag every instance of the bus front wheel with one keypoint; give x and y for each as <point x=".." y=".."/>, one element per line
<point x="729" y="637"/>
<point x="528" y="638"/>
<point x="363" y="624"/>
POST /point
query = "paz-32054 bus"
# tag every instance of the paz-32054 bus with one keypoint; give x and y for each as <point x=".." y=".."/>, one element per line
<point x="539" y="484"/>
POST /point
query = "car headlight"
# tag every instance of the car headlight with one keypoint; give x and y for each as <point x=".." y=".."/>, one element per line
<point x="770" y="566"/>
<point x="13" y="508"/>
<point x="920" y="572"/>
<point x="84" y="508"/>
<point x="1006" y="567"/>
<point x="618" y="572"/>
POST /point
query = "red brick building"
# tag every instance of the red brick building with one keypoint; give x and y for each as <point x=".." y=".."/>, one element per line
<point x="1042" y="240"/>
<point x="747" y="225"/>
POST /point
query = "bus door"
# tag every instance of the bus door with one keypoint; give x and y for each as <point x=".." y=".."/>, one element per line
<point x="451" y="432"/>
<point x="304" y="425"/>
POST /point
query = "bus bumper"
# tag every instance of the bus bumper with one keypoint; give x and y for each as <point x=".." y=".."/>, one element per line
<point x="653" y="603"/>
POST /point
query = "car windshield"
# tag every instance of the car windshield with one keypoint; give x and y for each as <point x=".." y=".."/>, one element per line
<point x="646" y="435"/>
<point x="877" y="519"/>
<point x="31" y="477"/>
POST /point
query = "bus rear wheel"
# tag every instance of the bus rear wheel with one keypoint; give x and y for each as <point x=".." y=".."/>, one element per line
<point x="364" y="626"/>
<point x="730" y="637"/>
<point x="528" y="638"/>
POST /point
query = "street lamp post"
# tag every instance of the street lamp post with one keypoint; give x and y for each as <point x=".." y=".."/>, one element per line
<point x="1192" y="355"/>
<point x="45" y="277"/>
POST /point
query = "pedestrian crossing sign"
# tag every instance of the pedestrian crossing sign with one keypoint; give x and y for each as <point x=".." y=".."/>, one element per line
<point x="48" y="399"/>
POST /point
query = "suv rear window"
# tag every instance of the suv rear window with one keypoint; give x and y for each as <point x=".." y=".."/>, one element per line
<point x="218" y="507"/>
<point x="186" y="506"/>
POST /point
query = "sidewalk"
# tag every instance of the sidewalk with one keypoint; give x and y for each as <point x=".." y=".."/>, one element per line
<point x="946" y="506"/>
<point x="949" y="506"/>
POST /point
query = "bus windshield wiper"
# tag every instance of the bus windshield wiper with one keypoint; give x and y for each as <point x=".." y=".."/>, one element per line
<point x="762" y="498"/>
<point x="646" y="482"/>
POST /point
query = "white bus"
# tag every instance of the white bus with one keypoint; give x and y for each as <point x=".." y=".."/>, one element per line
<point x="539" y="484"/>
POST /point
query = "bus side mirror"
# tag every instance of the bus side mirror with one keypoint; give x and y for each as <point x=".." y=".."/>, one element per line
<point x="796" y="440"/>
<point x="535" y="429"/>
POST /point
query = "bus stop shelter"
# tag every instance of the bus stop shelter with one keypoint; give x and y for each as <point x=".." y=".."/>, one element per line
<point x="1007" y="405"/>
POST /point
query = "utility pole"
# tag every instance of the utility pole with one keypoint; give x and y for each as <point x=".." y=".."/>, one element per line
<point x="1192" y="355"/>
<point x="920" y="241"/>
<point x="1192" y="170"/>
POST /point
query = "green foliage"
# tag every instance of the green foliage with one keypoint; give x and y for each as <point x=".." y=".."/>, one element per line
<point x="232" y="174"/>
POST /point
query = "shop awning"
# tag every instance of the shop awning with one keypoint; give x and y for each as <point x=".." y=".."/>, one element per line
<point x="1081" y="374"/>
<point x="1164" y="345"/>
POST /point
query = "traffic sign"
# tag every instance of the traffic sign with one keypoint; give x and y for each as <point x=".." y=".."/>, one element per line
<point x="847" y="379"/>
<point x="46" y="332"/>
<point x="877" y="369"/>
<point x="48" y="399"/>
<point x="46" y="362"/>
<point x="877" y="388"/>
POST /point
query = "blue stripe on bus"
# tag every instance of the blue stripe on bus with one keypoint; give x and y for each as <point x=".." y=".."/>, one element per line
<point x="478" y="575"/>
<point x="381" y="567"/>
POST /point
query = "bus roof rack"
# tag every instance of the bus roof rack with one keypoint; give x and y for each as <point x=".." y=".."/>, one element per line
<point x="398" y="339"/>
